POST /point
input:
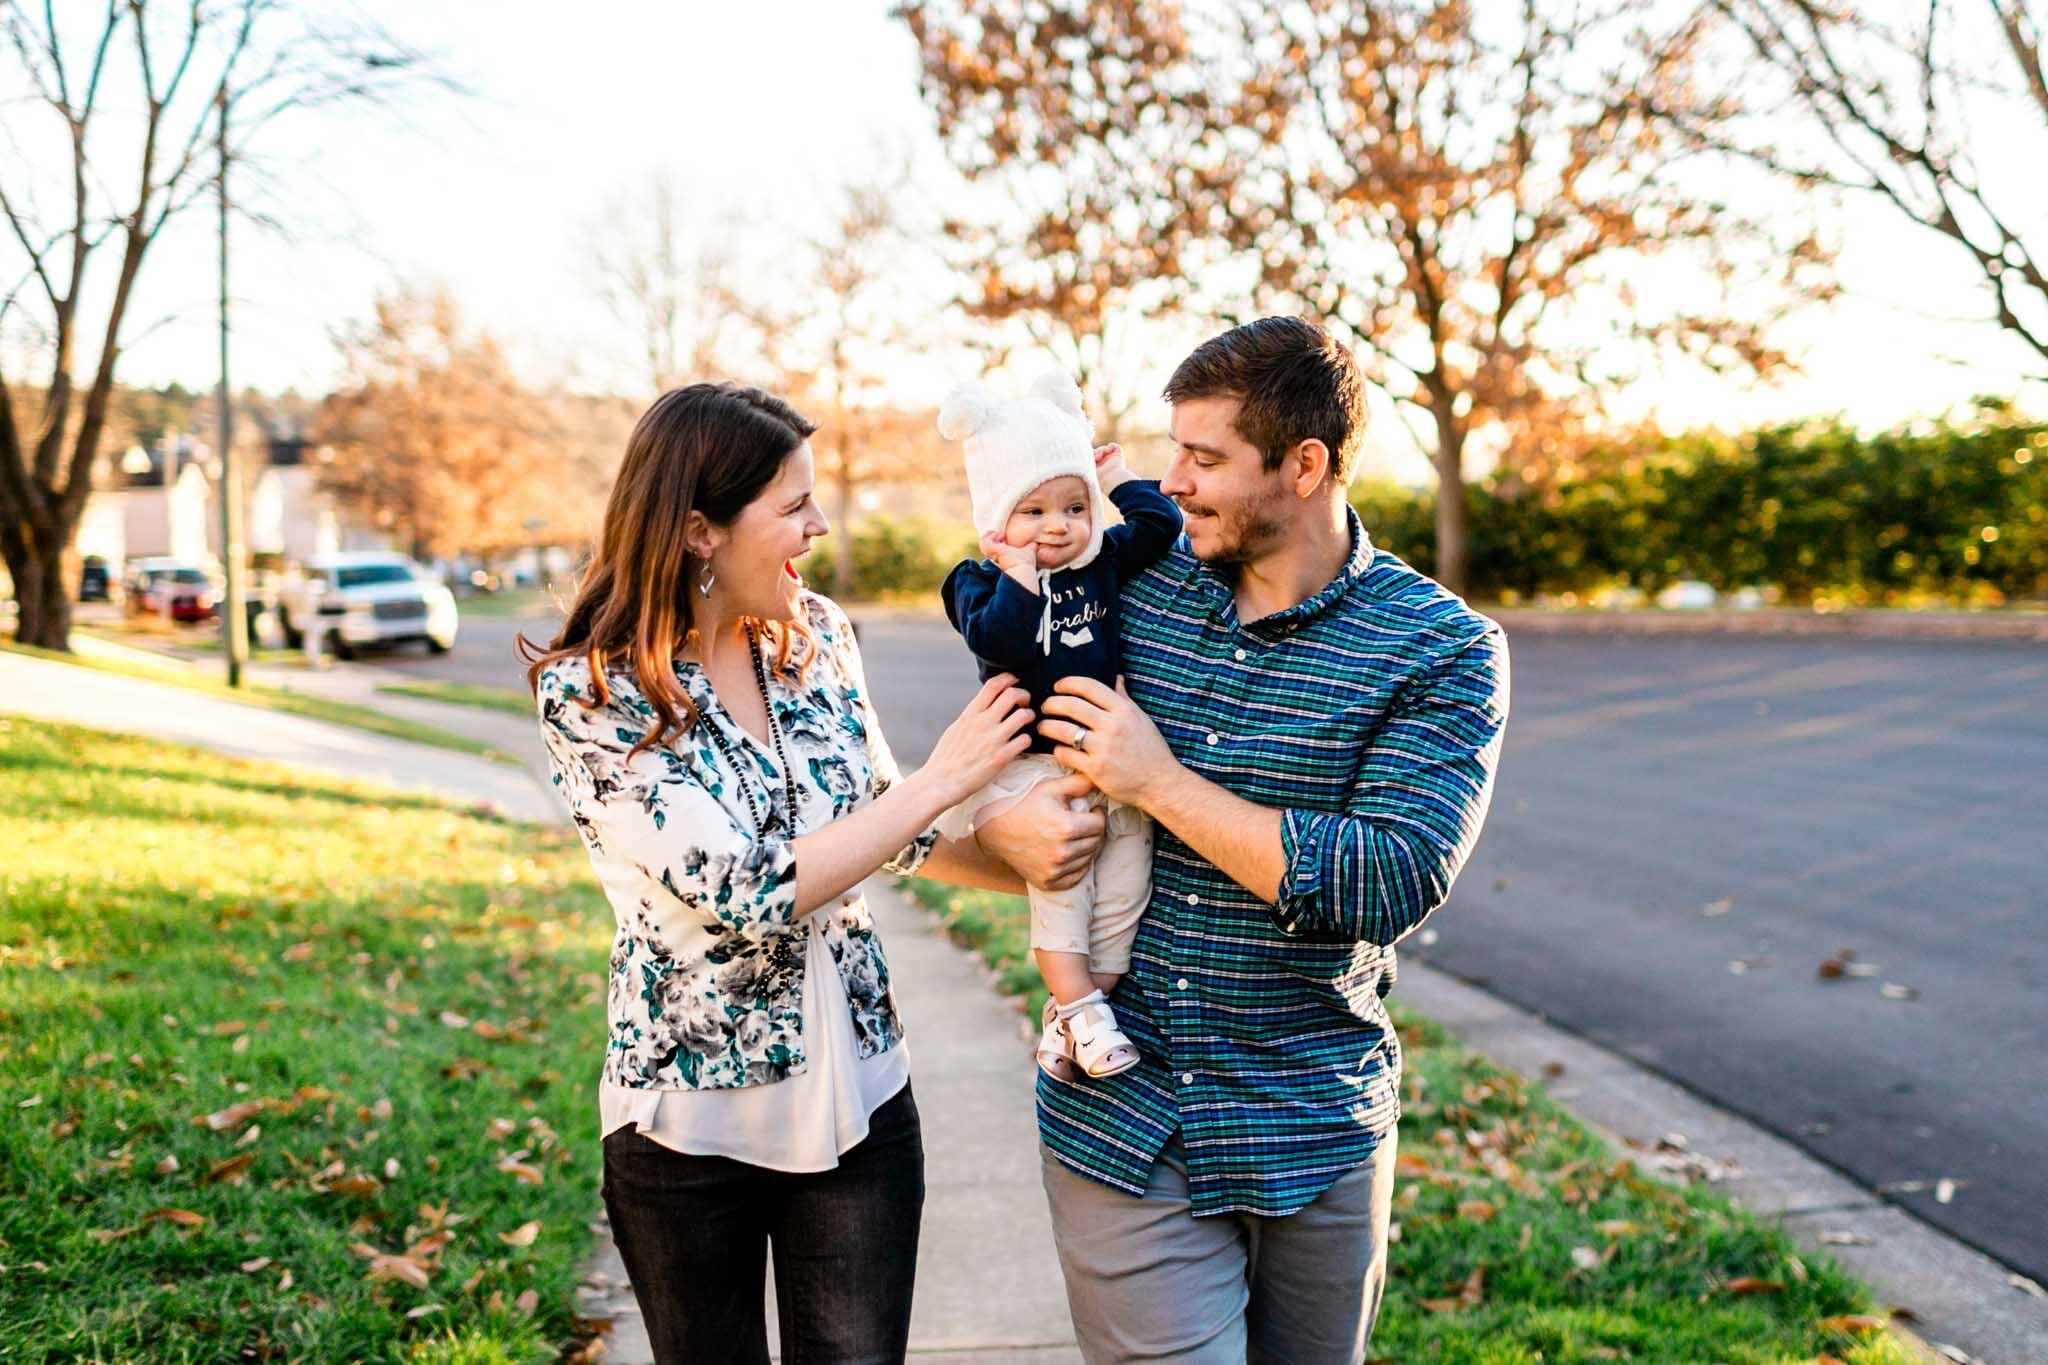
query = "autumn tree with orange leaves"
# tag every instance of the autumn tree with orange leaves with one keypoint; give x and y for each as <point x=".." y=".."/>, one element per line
<point x="434" y="438"/>
<point x="1468" y="195"/>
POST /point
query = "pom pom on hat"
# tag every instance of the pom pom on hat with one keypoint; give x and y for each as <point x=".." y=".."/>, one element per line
<point x="967" y="410"/>
<point x="1058" y="388"/>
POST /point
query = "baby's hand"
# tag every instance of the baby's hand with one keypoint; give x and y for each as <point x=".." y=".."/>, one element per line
<point x="1110" y="468"/>
<point x="1006" y="556"/>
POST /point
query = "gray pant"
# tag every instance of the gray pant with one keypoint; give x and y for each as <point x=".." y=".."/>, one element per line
<point x="1146" y="1280"/>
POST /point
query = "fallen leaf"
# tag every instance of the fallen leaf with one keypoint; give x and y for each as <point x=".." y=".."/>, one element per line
<point x="429" y="1247"/>
<point x="31" y="1102"/>
<point x="255" y="1131"/>
<point x="1944" y="1190"/>
<point x="1443" y="1305"/>
<point x="251" y="1267"/>
<point x="1749" y="1284"/>
<point x="1892" y="990"/>
<point x="381" y="1110"/>
<point x="1478" y="1210"/>
<point x="105" y="1235"/>
<point x="401" y="1269"/>
<point x="1852" y="1322"/>
<point x="391" y="1168"/>
<point x="360" y="1185"/>
<point x="168" y="1166"/>
<point x="284" y="1281"/>
<point x="527" y="1302"/>
<point x="184" y="1218"/>
<point x="226" y="1118"/>
<point x="298" y="952"/>
<point x="1585" y="1258"/>
<point x="423" y="1310"/>
<point x="498" y="1129"/>
<point x="231" y="1169"/>
<point x="454" y="1020"/>
<point x="519" y="1168"/>
<point x="2026" y="1286"/>
<point x="521" y="1236"/>
<point x="1847" y="1239"/>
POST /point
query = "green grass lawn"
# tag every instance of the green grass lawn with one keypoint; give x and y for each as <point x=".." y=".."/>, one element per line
<point x="1525" y="1238"/>
<point x="288" y="1069"/>
<point x="273" y="699"/>
<point x="517" y="701"/>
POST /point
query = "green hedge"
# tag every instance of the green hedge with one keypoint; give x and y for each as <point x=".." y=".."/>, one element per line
<point x="906" y="557"/>
<point x="1931" y="513"/>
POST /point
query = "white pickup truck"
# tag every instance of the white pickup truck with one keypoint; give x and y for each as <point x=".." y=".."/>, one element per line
<point x="366" y="598"/>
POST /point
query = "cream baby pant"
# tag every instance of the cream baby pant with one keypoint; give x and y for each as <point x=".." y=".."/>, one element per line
<point x="1099" y="914"/>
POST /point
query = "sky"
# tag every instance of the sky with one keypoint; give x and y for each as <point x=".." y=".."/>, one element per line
<point x="766" y="109"/>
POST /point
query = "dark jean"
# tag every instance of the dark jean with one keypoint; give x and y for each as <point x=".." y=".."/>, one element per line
<point x="695" y="1232"/>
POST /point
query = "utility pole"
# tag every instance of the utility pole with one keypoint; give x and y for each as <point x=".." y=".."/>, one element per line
<point x="234" y="623"/>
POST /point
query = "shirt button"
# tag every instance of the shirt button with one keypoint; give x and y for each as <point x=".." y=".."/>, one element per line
<point x="1239" y="656"/>
<point x="1193" y="899"/>
<point x="1181" y="984"/>
<point x="1212" y="739"/>
<point x="1187" y="1078"/>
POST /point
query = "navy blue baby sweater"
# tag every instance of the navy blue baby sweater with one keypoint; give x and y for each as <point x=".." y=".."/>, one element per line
<point x="999" y="618"/>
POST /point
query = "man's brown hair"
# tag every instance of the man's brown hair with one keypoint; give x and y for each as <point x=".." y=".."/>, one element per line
<point x="1295" y="382"/>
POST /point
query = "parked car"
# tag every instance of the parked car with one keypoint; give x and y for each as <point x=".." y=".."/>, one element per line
<point x="150" y="582"/>
<point x="367" y="598"/>
<point x="95" y="584"/>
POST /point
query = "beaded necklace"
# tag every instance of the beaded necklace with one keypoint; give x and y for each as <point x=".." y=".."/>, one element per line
<point x="754" y="811"/>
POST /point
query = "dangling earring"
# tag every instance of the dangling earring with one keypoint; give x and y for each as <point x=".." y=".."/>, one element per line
<point x="704" y="588"/>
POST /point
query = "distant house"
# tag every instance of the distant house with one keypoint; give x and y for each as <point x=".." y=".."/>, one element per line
<point x="166" y="505"/>
<point x="290" y="516"/>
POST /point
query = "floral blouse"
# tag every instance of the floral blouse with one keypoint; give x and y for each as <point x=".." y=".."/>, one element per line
<point x="707" y="968"/>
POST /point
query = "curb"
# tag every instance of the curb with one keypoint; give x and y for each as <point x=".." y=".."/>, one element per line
<point x="1967" y="1305"/>
<point x="1874" y="625"/>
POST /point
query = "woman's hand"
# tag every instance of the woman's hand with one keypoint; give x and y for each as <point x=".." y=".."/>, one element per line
<point x="992" y="730"/>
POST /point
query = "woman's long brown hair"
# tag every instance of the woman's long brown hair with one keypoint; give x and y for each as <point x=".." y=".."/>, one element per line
<point x="711" y="448"/>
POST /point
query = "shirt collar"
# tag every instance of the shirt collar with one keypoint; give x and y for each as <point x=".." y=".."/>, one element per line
<point x="1221" y="593"/>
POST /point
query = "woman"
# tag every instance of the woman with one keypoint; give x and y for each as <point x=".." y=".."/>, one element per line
<point x="708" y="722"/>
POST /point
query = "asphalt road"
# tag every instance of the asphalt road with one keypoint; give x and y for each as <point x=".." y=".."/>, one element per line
<point x="1685" y="829"/>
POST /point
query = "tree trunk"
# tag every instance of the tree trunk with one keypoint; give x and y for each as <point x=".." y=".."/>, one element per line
<point x="45" y="619"/>
<point x="1450" y="507"/>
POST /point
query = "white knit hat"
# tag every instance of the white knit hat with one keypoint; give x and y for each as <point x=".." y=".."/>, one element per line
<point x="1014" y="445"/>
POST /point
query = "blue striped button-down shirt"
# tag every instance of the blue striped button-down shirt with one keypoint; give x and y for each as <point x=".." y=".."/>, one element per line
<point x="1371" y="716"/>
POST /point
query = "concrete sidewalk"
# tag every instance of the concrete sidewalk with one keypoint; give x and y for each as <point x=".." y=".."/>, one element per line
<point x="108" y="701"/>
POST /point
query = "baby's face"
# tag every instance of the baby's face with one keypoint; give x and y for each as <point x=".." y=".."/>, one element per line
<point x="1054" y="517"/>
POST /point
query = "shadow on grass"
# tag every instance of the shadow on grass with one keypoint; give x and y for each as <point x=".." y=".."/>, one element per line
<point x="324" y="793"/>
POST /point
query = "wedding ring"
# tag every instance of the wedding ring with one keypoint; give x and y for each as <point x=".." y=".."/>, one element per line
<point x="1081" y="739"/>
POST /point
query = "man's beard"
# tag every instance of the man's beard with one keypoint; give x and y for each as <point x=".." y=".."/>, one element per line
<point x="1246" y="533"/>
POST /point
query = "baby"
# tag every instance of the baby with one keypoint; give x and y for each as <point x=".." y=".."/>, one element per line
<point x="1043" y="605"/>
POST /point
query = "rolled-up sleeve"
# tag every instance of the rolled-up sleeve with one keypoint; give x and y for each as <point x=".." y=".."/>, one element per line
<point x="881" y="760"/>
<point x="1375" y="870"/>
<point x="653" y="812"/>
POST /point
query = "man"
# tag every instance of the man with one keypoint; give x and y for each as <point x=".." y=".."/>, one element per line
<point x="1314" y="727"/>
